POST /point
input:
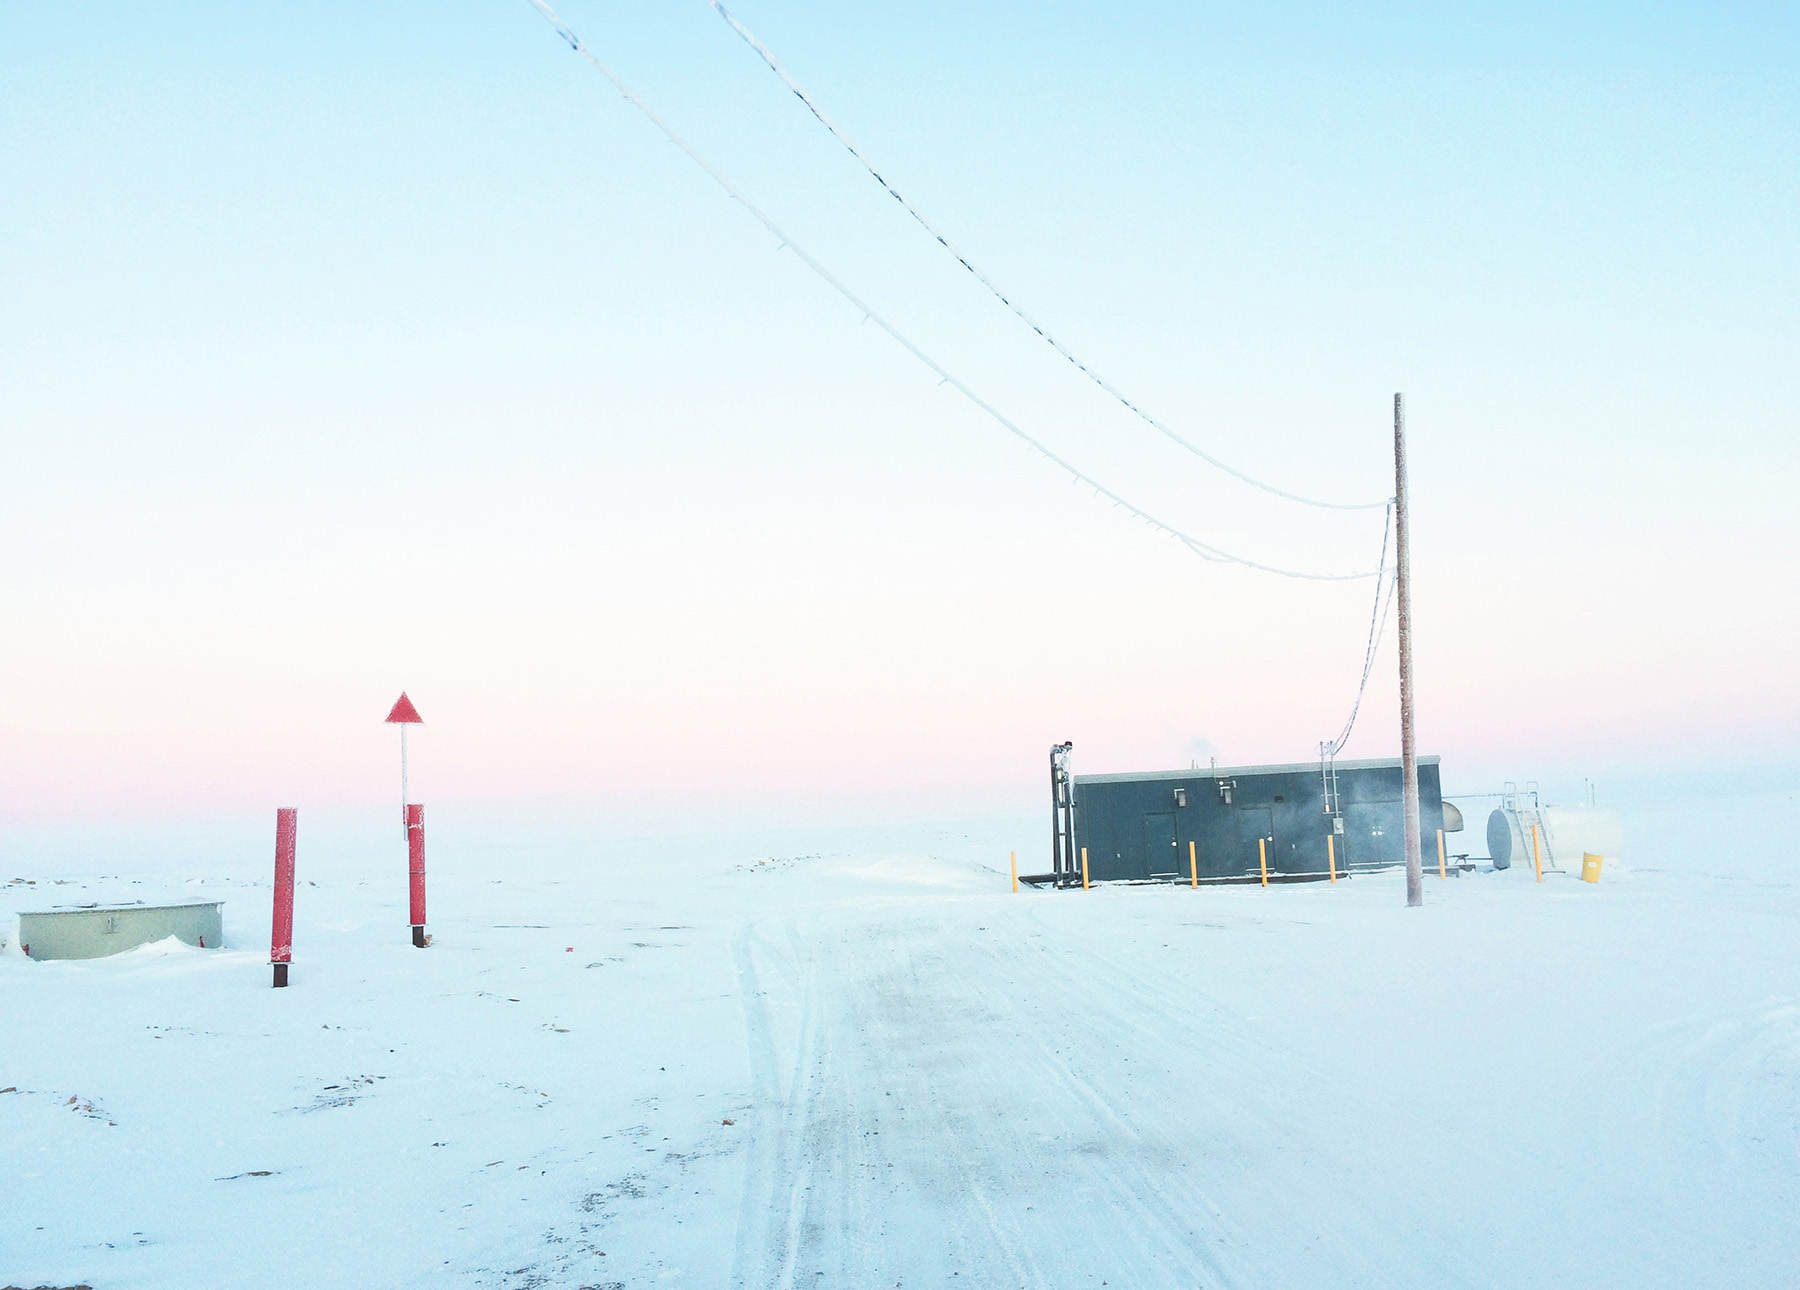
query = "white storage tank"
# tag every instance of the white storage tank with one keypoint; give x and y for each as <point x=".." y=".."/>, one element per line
<point x="1565" y="834"/>
<point x="94" y="931"/>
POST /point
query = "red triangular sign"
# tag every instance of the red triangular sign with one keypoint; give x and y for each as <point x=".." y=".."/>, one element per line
<point x="404" y="713"/>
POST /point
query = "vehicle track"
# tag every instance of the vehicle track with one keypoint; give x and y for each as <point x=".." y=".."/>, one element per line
<point x="890" y="1146"/>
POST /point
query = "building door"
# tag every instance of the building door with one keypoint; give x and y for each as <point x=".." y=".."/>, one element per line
<point x="1160" y="846"/>
<point x="1374" y="835"/>
<point x="1255" y="824"/>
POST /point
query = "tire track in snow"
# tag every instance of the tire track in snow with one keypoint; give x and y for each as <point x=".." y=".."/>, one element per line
<point x="799" y="1196"/>
<point x="981" y="1236"/>
<point x="1299" y="1189"/>
<point x="1731" y="1100"/>
<point x="762" y="1203"/>
<point x="1721" y="1096"/>
<point x="828" y="1160"/>
<point x="1110" y="1008"/>
<point x="843" y="1202"/>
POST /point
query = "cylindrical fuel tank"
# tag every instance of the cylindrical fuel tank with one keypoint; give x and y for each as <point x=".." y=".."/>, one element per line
<point x="1565" y="833"/>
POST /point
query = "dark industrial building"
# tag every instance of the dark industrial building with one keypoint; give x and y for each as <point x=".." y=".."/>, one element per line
<point x="1140" y="826"/>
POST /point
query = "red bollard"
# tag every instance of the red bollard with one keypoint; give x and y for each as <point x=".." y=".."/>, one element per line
<point x="281" y="927"/>
<point x="415" y="856"/>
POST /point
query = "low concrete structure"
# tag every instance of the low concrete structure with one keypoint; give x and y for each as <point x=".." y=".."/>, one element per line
<point x="94" y="931"/>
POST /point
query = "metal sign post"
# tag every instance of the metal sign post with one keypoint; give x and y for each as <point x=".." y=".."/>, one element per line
<point x="415" y="865"/>
<point x="412" y="820"/>
<point x="281" y="926"/>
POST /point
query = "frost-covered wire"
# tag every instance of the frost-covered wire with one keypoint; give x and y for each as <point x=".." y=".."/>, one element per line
<point x="1017" y="311"/>
<point x="1384" y="591"/>
<point x="1202" y="549"/>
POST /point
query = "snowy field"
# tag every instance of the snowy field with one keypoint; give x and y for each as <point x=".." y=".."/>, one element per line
<point x="878" y="1067"/>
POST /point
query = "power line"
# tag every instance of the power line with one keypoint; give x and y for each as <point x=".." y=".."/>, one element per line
<point x="938" y="235"/>
<point x="1377" y="621"/>
<point x="1202" y="549"/>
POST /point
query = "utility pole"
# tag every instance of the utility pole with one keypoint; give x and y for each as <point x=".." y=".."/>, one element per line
<point x="1409" y="756"/>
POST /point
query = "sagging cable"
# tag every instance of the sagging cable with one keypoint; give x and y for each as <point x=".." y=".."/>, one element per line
<point x="1204" y="550"/>
<point x="994" y="290"/>
<point x="1384" y="592"/>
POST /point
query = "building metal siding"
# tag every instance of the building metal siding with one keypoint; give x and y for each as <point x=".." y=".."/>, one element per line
<point x="1135" y="827"/>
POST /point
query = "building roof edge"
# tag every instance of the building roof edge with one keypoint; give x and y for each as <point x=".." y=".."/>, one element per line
<point x="1225" y="772"/>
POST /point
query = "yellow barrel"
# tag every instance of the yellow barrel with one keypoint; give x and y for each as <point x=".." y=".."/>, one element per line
<point x="1590" y="867"/>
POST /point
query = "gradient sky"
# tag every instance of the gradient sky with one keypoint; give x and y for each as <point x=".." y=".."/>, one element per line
<point x="352" y="349"/>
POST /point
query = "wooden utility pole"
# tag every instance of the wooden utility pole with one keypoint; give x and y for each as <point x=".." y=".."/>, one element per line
<point x="1409" y="757"/>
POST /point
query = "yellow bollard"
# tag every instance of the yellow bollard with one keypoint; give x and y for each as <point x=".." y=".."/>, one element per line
<point x="1590" y="866"/>
<point x="1262" y="854"/>
<point x="1084" y="885"/>
<point x="1015" y="865"/>
<point x="1537" y="855"/>
<point x="1441" y="872"/>
<point x="1331" y="854"/>
<point x="1193" y="867"/>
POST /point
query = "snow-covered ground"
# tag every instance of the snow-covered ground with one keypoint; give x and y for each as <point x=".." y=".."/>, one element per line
<point x="878" y="1067"/>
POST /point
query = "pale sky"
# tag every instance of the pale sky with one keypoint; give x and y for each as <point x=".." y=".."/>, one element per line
<point x="350" y="351"/>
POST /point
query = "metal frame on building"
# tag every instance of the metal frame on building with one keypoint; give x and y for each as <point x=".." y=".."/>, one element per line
<point x="1291" y="822"/>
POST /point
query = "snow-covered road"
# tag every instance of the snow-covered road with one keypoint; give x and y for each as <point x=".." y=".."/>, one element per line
<point x="957" y="1090"/>
<point x="860" y="1071"/>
